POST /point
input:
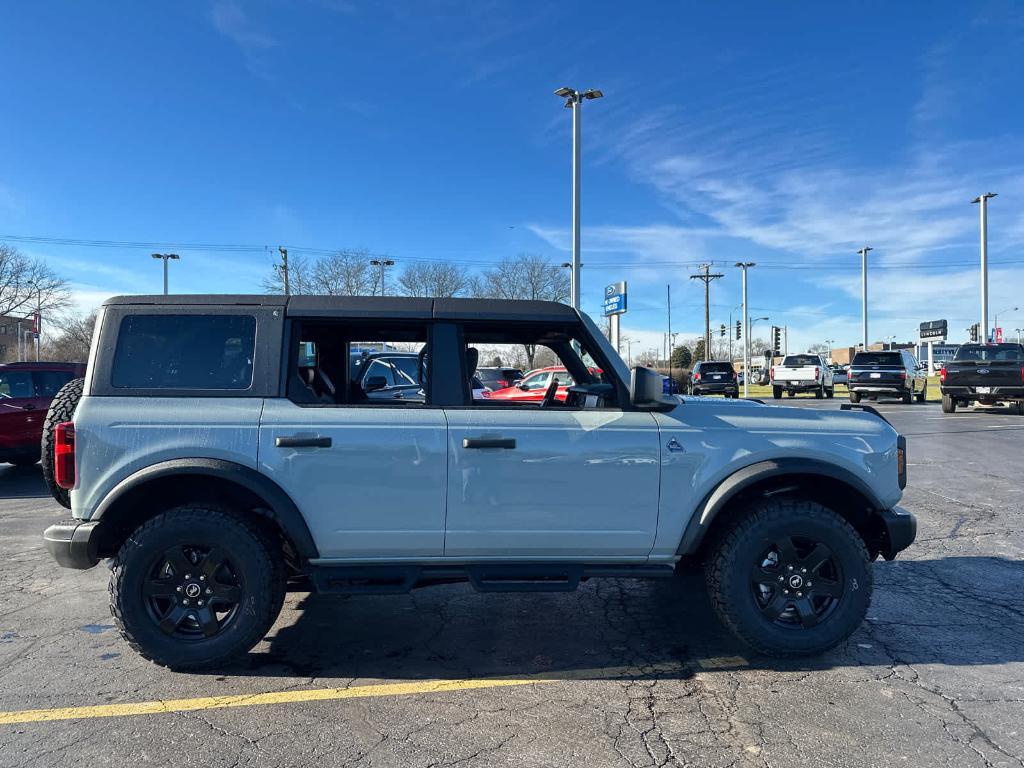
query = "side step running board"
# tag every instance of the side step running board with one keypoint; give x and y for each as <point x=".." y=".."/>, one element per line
<point x="496" y="577"/>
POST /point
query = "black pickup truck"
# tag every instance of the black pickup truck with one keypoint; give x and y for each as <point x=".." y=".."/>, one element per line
<point x="986" y="374"/>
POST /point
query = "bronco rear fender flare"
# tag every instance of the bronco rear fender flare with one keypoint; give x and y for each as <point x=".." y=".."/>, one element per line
<point x="742" y="479"/>
<point x="279" y="504"/>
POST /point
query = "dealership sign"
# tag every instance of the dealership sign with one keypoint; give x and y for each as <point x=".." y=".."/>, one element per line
<point x="934" y="330"/>
<point x="615" y="299"/>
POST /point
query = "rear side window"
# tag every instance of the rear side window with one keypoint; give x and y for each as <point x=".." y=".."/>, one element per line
<point x="49" y="382"/>
<point x="185" y="352"/>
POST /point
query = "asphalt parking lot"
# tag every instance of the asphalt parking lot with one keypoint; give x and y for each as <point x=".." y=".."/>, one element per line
<point x="621" y="672"/>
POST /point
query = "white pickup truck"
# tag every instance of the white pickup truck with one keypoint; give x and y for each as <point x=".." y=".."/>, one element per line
<point x="807" y="372"/>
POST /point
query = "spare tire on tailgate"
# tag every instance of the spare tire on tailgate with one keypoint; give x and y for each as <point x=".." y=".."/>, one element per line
<point x="62" y="408"/>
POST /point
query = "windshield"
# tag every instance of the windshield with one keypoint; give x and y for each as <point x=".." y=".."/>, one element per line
<point x="878" y="358"/>
<point x="991" y="352"/>
<point x="796" y="361"/>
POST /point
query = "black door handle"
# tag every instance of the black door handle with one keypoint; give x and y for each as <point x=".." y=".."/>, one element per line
<point x="302" y="442"/>
<point x="488" y="442"/>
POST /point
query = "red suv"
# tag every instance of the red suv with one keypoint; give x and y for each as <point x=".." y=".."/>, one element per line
<point x="26" y="390"/>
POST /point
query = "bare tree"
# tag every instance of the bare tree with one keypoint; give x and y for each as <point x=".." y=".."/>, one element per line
<point x="74" y="338"/>
<point x="438" y="279"/>
<point x="28" y="284"/>
<point x="527" y="276"/>
<point x="345" y="273"/>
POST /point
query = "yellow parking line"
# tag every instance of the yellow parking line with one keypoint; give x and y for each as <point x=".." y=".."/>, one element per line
<point x="319" y="694"/>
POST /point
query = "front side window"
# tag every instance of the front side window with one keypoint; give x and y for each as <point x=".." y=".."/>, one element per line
<point x="185" y="352"/>
<point x="537" y="380"/>
<point x="16" y="384"/>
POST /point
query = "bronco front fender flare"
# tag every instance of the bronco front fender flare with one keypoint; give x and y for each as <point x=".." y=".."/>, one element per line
<point x="719" y="498"/>
<point x="279" y="503"/>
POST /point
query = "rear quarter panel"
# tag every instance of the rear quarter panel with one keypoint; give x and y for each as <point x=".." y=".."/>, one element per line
<point x="719" y="438"/>
<point x="117" y="436"/>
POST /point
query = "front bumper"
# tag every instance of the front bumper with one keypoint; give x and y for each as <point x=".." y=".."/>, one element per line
<point x="896" y="531"/>
<point x="73" y="543"/>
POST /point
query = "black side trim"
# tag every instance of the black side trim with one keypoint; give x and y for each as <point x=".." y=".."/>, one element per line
<point x="281" y="507"/>
<point x="72" y="543"/>
<point x="719" y="498"/>
<point x="484" y="577"/>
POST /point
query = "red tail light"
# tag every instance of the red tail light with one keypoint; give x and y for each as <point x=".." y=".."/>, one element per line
<point x="903" y="374"/>
<point x="64" y="455"/>
<point x="772" y="373"/>
<point x="942" y="374"/>
<point x="696" y="377"/>
<point x="817" y="372"/>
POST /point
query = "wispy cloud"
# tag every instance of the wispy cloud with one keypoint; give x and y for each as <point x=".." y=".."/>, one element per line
<point x="231" y="20"/>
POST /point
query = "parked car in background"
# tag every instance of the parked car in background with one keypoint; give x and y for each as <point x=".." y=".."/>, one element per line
<point x="535" y="383"/>
<point x="986" y="374"/>
<point x="840" y="375"/>
<point x="26" y="390"/>
<point x="498" y="378"/>
<point x="805" y="372"/>
<point x="393" y="376"/>
<point x="894" y="373"/>
<point x="714" y="377"/>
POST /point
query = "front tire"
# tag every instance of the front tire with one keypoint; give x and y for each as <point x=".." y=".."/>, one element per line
<point x="790" y="578"/>
<point x="196" y="587"/>
<point x="948" y="404"/>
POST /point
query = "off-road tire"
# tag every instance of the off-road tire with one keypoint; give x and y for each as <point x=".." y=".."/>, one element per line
<point x="855" y="397"/>
<point x="62" y="408"/>
<point x="728" y="569"/>
<point x="261" y="573"/>
<point x="777" y="393"/>
<point x="948" y="404"/>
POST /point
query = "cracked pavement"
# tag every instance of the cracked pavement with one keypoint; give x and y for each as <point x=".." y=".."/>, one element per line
<point x="935" y="676"/>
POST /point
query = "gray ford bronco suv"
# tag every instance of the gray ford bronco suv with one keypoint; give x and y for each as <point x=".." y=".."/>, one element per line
<point x="217" y="446"/>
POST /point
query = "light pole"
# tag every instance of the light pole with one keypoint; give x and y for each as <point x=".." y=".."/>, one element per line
<point x="574" y="100"/>
<point x="890" y="339"/>
<point x="383" y="264"/>
<point x="166" y="257"/>
<point x="746" y="343"/>
<point x="995" y="317"/>
<point x="745" y="265"/>
<point x="828" y="346"/>
<point x="864" y="289"/>
<point x="732" y="330"/>
<point x="1018" y="334"/>
<point x="983" y="199"/>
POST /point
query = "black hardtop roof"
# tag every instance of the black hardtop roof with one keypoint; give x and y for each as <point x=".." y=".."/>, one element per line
<point x="383" y="307"/>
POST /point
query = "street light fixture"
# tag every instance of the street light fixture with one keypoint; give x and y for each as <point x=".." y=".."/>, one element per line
<point x="166" y="257"/>
<point x="745" y="265"/>
<point x="983" y="199"/>
<point x="383" y="264"/>
<point x="864" y="289"/>
<point x="995" y="317"/>
<point x="574" y="100"/>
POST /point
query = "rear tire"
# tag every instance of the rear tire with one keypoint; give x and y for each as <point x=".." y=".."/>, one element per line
<point x="819" y="393"/>
<point x="62" y="408"/>
<point x="830" y="392"/>
<point x="825" y="572"/>
<point x="907" y="398"/>
<point x="196" y="587"/>
<point x="948" y="404"/>
<point x="922" y="396"/>
<point x="777" y="393"/>
<point x="855" y="397"/>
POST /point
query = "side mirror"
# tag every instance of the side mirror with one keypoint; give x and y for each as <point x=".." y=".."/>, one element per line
<point x="645" y="388"/>
<point x="518" y="383"/>
<point x="374" y="383"/>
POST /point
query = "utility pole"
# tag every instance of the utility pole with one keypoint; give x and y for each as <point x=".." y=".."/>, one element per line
<point x="706" y="278"/>
<point x="574" y="100"/>
<point x="382" y="263"/>
<point x="864" y="290"/>
<point x="745" y="265"/>
<point x="983" y="199"/>
<point x="668" y="293"/>
<point x="166" y="257"/>
<point x="283" y="267"/>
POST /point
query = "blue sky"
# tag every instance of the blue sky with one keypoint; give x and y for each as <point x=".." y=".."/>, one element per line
<point x="785" y="134"/>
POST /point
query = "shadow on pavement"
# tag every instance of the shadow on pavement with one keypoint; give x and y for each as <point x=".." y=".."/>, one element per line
<point x="958" y="611"/>
<point x="22" y="483"/>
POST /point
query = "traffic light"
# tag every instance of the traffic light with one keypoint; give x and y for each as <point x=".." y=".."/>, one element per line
<point x="721" y="330"/>
<point x="776" y="340"/>
<point x="975" y="330"/>
<point x="739" y="330"/>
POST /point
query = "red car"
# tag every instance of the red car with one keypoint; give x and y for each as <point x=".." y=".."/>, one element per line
<point x="535" y="383"/>
<point x="26" y="390"/>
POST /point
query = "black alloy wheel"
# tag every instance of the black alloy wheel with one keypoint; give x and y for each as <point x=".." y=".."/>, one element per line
<point x="796" y="581"/>
<point x="193" y="592"/>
